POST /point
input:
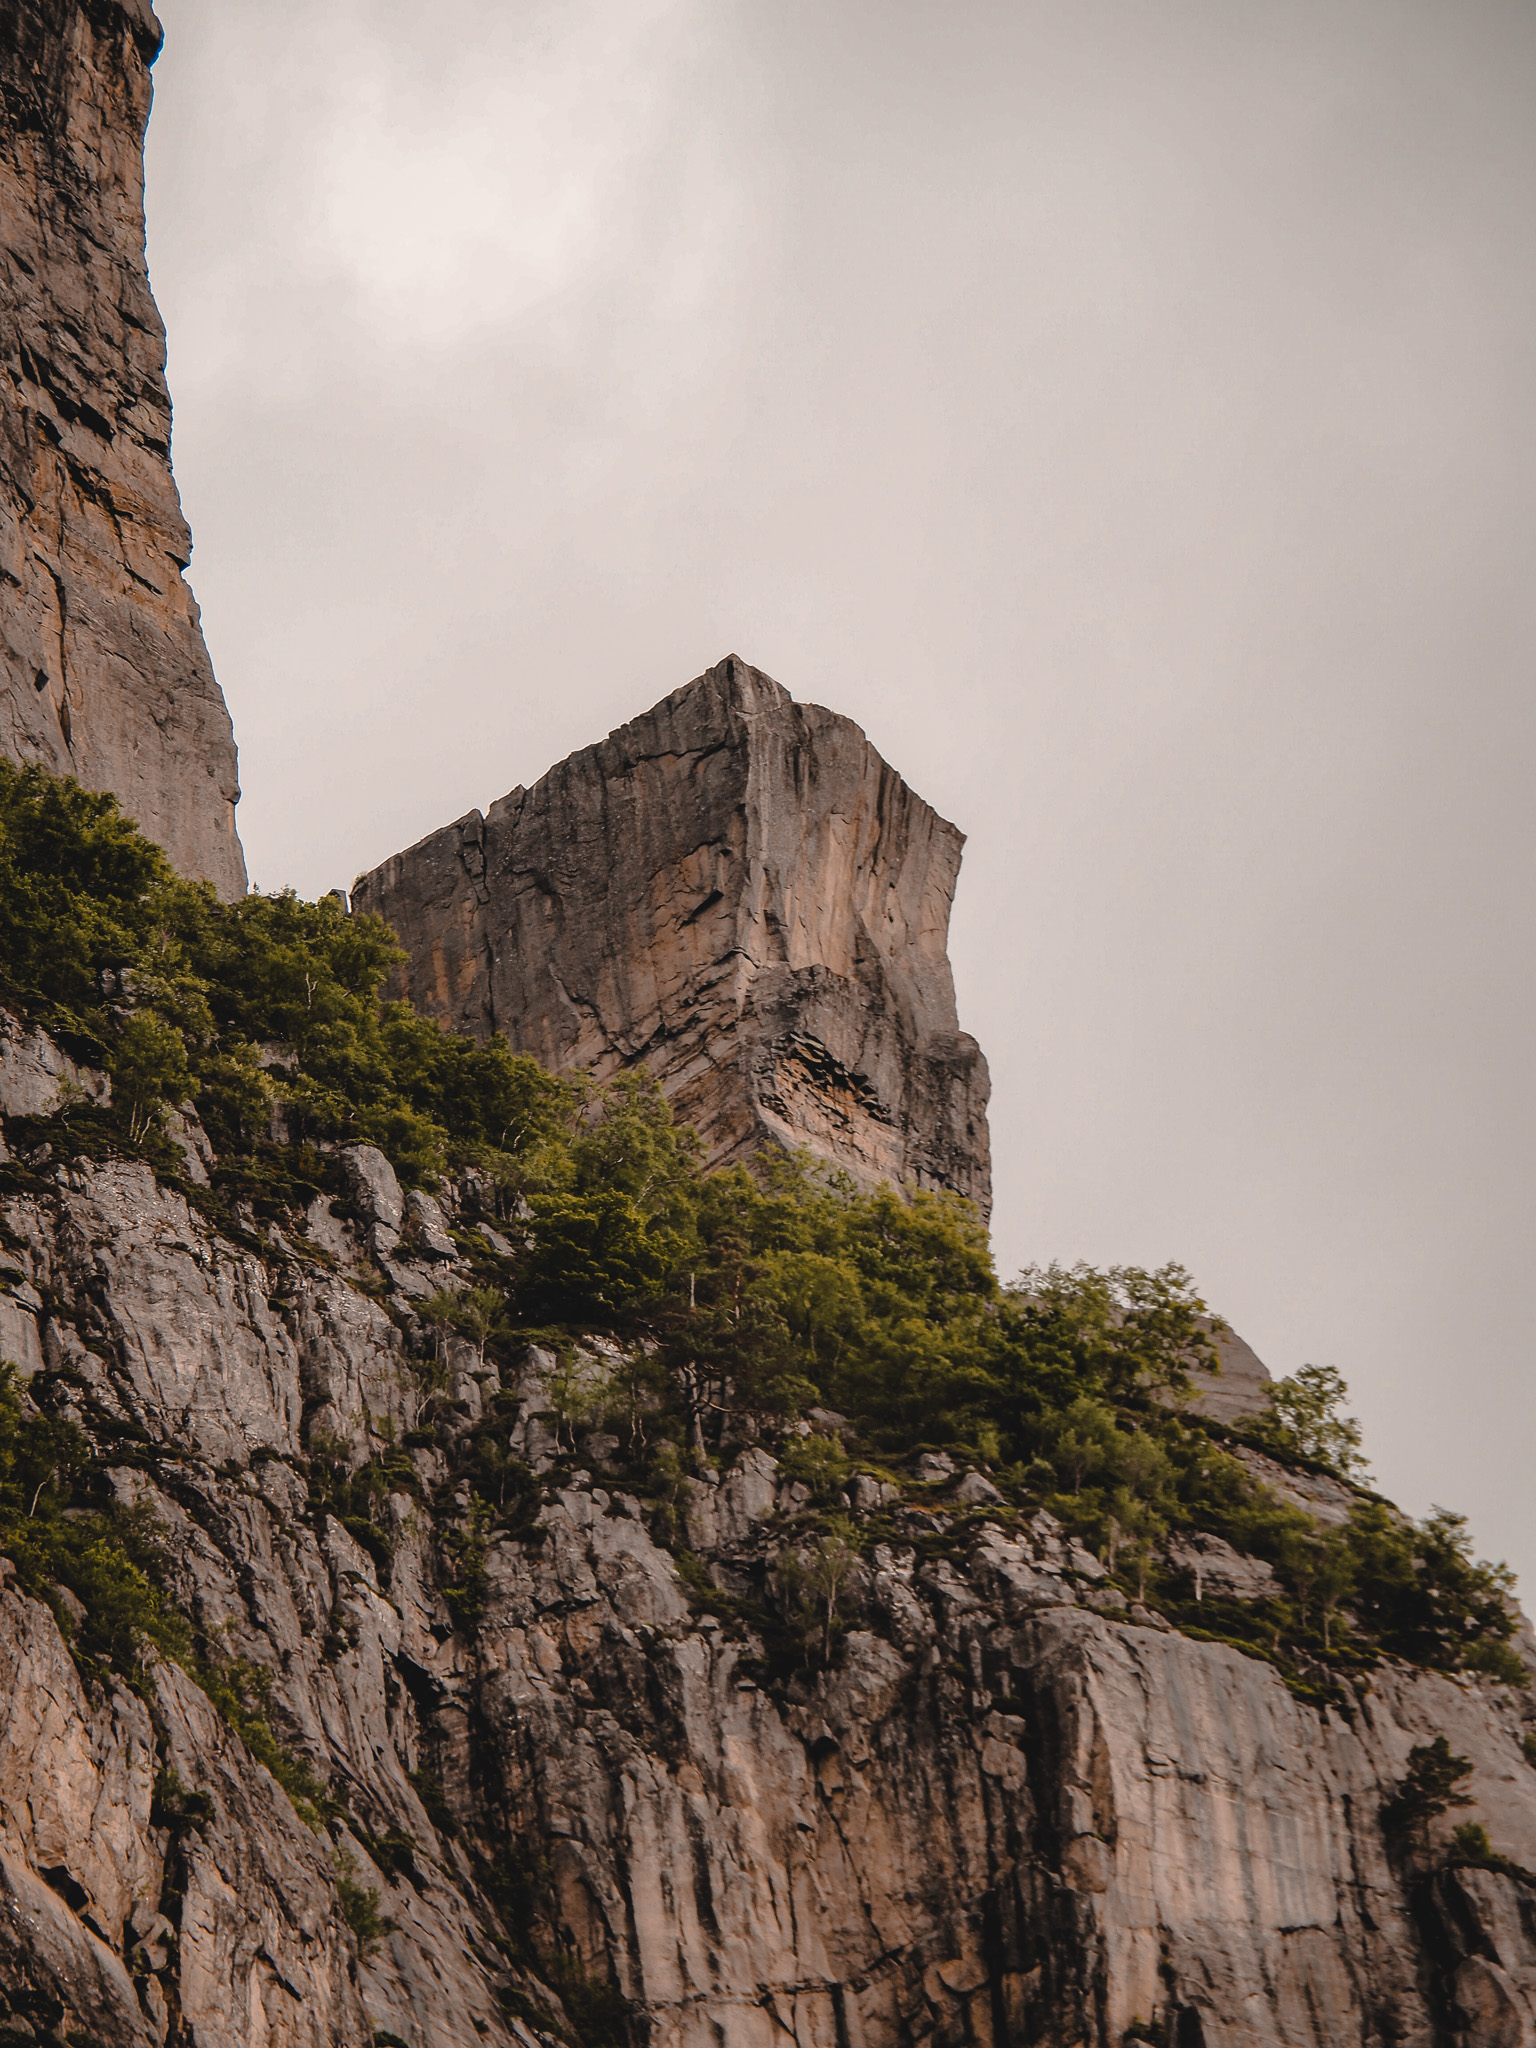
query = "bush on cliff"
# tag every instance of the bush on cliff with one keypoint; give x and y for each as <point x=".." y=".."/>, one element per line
<point x="1306" y="1419"/>
<point x="1433" y="1784"/>
<point x="89" y="1562"/>
<point x="268" y="1002"/>
<point x="793" y="1287"/>
<point x="740" y="1299"/>
<point x="77" y="884"/>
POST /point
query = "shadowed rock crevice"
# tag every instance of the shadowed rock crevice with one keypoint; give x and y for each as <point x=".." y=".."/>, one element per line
<point x="736" y="891"/>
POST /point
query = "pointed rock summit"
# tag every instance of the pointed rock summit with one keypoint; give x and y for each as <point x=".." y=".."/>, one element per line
<point x="103" y="671"/>
<point x="736" y="892"/>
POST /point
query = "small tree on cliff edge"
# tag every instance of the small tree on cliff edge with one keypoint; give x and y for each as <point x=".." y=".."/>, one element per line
<point x="1431" y="1788"/>
<point x="1306" y="1420"/>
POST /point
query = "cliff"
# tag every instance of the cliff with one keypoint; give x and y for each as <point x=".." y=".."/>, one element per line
<point x="736" y="892"/>
<point x="103" y="671"/>
<point x="436" y="1606"/>
<point x="1015" y="1807"/>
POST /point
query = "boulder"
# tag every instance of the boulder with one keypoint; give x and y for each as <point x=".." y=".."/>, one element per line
<point x="427" y="1227"/>
<point x="37" y="1078"/>
<point x="376" y="1193"/>
<point x="1215" y="1567"/>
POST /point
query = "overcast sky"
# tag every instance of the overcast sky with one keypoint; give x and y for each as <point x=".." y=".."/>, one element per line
<point x="1123" y="410"/>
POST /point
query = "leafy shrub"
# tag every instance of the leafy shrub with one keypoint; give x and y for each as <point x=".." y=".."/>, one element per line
<point x="149" y="1068"/>
<point x="1471" y="1848"/>
<point x="1419" y="1590"/>
<point x="76" y="883"/>
<point x="61" y="1542"/>
<point x="242" y="1692"/>
<point x="817" y="1462"/>
<point x="596" y="1257"/>
<point x="816" y="1578"/>
<point x="359" y="1903"/>
<point x="1432" y="1786"/>
<point x="466" y="1549"/>
<point x="178" y="993"/>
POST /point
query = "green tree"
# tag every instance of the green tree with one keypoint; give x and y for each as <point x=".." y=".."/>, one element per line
<point x="149" y="1068"/>
<point x="595" y="1258"/>
<point x="1084" y="1441"/>
<point x="1133" y="1526"/>
<point x="1306" y="1420"/>
<point x="1335" y="1582"/>
<point x="817" y="1462"/>
<point x="824" y="1570"/>
<point x="1432" y="1786"/>
<point x="581" y="1389"/>
<point x="359" y="1903"/>
<point x="818" y="1299"/>
<point x="77" y="883"/>
<point x="474" y="1312"/>
<point x="1117" y="1333"/>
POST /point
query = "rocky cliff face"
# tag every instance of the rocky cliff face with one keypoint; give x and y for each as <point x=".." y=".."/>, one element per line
<point x="1016" y="1810"/>
<point x="103" y="671"/>
<point x="738" y="893"/>
<point x="552" y="1776"/>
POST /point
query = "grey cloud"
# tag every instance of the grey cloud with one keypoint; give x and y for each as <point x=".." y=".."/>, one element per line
<point x="1124" y="412"/>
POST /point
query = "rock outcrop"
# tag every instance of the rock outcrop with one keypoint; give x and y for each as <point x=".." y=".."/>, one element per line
<point x="1240" y="1390"/>
<point x="736" y="892"/>
<point x="551" y="1773"/>
<point x="103" y="671"/>
<point x="1016" y="1810"/>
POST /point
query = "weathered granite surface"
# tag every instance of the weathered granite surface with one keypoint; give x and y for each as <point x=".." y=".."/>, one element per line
<point x="736" y="891"/>
<point x="36" y="1076"/>
<point x="1014" y="1812"/>
<point x="103" y="671"/>
<point x="1241" y="1388"/>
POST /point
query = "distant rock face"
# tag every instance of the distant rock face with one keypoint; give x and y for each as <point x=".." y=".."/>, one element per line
<point x="736" y="892"/>
<point x="103" y="671"/>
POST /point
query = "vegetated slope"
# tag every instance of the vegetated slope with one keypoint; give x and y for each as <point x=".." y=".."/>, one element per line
<point x="514" y="1580"/>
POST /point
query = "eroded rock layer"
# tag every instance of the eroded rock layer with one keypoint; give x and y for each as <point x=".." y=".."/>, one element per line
<point x="1016" y="1810"/>
<point x="103" y="671"/>
<point x="736" y="891"/>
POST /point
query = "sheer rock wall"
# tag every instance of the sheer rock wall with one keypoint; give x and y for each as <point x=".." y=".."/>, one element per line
<point x="103" y="671"/>
<point x="1016" y="1811"/>
<point x="736" y="891"/>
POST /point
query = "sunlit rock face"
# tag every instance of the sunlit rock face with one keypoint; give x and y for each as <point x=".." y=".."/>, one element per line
<point x="736" y="892"/>
<point x="103" y="671"/>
